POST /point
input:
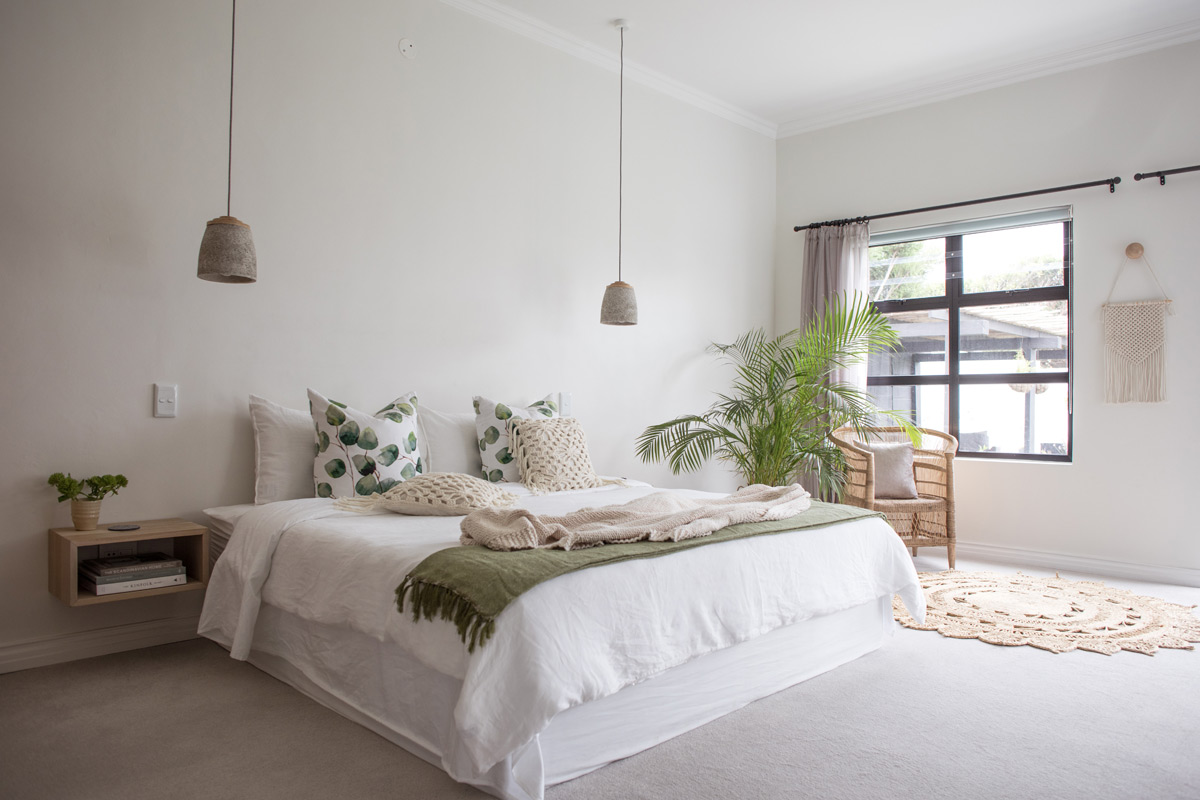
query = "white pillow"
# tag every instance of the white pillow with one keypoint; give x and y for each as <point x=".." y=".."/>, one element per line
<point x="283" y="452"/>
<point x="491" y="426"/>
<point x="448" y="442"/>
<point x="893" y="470"/>
<point x="361" y="454"/>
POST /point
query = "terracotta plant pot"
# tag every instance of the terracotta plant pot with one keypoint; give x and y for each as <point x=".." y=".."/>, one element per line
<point x="85" y="514"/>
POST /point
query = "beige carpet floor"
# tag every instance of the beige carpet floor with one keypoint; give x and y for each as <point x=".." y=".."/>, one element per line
<point x="925" y="717"/>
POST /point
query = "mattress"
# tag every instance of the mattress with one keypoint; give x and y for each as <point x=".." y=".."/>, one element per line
<point x="299" y="577"/>
<point x="222" y="521"/>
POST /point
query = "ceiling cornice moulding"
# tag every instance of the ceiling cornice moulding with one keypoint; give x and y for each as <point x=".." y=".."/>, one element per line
<point x="572" y="45"/>
<point x="876" y="104"/>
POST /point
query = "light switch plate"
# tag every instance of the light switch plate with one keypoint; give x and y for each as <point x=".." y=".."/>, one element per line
<point x="166" y="399"/>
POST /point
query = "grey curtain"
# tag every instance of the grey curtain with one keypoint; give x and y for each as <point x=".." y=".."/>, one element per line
<point x="835" y="262"/>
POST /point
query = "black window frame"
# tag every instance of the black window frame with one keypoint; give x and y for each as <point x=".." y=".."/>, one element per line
<point x="954" y="300"/>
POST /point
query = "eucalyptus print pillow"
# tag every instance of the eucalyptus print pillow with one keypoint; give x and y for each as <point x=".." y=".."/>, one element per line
<point x="360" y="454"/>
<point x="491" y="424"/>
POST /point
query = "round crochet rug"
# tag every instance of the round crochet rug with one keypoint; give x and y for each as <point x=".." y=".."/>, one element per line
<point x="1052" y="614"/>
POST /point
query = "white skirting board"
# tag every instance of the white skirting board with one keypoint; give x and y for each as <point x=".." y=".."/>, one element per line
<point x="1041" y="559"/>
<point x="86" y="644"/>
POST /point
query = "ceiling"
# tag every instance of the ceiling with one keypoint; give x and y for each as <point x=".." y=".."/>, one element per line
<point x="787" y="66"/>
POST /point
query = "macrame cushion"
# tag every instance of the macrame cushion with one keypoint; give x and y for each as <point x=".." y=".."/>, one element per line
<point x="436" y="494"/>
<point x="893" y="470"/>
<point x="552" y="455"/>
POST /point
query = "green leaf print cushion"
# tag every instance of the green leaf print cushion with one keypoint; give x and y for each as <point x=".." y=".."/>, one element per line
<point x="359" y="453"/>
<point x="491" y="426"/>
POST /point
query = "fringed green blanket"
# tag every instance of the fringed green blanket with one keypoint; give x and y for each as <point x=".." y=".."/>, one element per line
<point x="470" y="586"/>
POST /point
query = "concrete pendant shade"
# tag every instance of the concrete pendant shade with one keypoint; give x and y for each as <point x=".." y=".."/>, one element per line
<point x="619" y="306"/>
<point x="227" y="252"/>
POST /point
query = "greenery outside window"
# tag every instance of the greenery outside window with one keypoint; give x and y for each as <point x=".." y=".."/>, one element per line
<point x="983" y="312"/>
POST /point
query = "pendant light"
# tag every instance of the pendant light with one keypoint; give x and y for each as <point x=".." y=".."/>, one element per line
<point x="227" y="249"/>
<point x="620" y="303"/>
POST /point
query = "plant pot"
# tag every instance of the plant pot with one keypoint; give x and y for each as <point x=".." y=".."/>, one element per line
<point x="85" y="514"/>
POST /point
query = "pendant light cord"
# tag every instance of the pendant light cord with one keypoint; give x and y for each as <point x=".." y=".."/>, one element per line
<point x="620" y="160"/>
<point x="232" y="48"/>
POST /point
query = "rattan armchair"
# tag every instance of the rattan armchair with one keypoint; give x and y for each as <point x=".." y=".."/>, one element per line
<point x="927" y="521"/>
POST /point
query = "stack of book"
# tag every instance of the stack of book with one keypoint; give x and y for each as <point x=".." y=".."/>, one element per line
<point x="130" y="573"/>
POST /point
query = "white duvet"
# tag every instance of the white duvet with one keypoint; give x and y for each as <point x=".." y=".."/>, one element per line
<point x="576" y="638"/>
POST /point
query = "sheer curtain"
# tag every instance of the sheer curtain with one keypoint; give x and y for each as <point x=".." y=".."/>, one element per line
<point x="835" y="262"/>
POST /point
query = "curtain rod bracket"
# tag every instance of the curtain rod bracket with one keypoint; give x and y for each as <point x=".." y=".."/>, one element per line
<point x="1163" y="173"/>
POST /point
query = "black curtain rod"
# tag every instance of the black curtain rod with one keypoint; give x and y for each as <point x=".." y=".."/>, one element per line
<point x="1162" y="174"/>
<point x="1111" y="183"/>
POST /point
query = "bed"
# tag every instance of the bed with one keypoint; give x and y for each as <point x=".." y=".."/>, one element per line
<point x="582" y="670"/>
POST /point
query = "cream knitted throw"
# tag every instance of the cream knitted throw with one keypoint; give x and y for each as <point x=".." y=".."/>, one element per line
<point x="659" y="517"/>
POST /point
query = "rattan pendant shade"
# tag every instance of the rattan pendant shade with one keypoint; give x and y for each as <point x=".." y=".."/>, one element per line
<point x="227" y="249"/>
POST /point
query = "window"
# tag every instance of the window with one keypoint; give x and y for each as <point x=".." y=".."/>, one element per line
<point x="983" y="310"/>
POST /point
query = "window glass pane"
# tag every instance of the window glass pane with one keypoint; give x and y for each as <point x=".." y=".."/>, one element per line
<point x="1017" y="258"/>
<point x="1018" y="337"/>
<point x="1003" y="418"/>
<point x="924" y="406"/>
<point x="922" y="345"/>
<point x="908" y="269"/>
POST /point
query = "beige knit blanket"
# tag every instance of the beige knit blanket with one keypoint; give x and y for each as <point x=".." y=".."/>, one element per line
<point x="658" y="517"/>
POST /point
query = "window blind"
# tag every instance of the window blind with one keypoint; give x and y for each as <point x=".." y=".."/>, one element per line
<point x="1039" y="217"/>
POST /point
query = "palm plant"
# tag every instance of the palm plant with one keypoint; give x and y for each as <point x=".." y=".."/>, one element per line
<point x="787" y="396"/>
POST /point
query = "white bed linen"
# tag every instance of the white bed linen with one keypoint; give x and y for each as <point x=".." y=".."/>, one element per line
<point x="566" y="642"/>
<point x="380" y="686"/>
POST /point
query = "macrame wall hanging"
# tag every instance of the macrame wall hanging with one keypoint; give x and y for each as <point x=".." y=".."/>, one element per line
<point x="1135" y="342"/>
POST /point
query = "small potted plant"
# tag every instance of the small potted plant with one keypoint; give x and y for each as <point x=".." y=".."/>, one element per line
<point x="85" y="495"/>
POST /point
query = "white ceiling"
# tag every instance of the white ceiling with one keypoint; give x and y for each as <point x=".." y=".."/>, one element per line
<point x="786" y="66"/>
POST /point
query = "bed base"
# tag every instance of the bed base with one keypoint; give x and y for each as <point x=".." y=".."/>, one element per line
<point x="386" y="690"/>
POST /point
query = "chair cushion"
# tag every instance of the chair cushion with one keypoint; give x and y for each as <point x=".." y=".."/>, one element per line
<point x="893" y="470"/>
<point x="911" y="505"/>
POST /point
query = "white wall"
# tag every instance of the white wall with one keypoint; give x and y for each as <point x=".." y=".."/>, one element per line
<point x="445" y="225"/>
<point x="1128" y="495"/>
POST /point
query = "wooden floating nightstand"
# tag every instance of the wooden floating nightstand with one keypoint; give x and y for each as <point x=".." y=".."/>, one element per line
<point x="182" y="539"/>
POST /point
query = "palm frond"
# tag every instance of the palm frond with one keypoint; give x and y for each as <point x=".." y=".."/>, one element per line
<point x="773" y="424"/>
